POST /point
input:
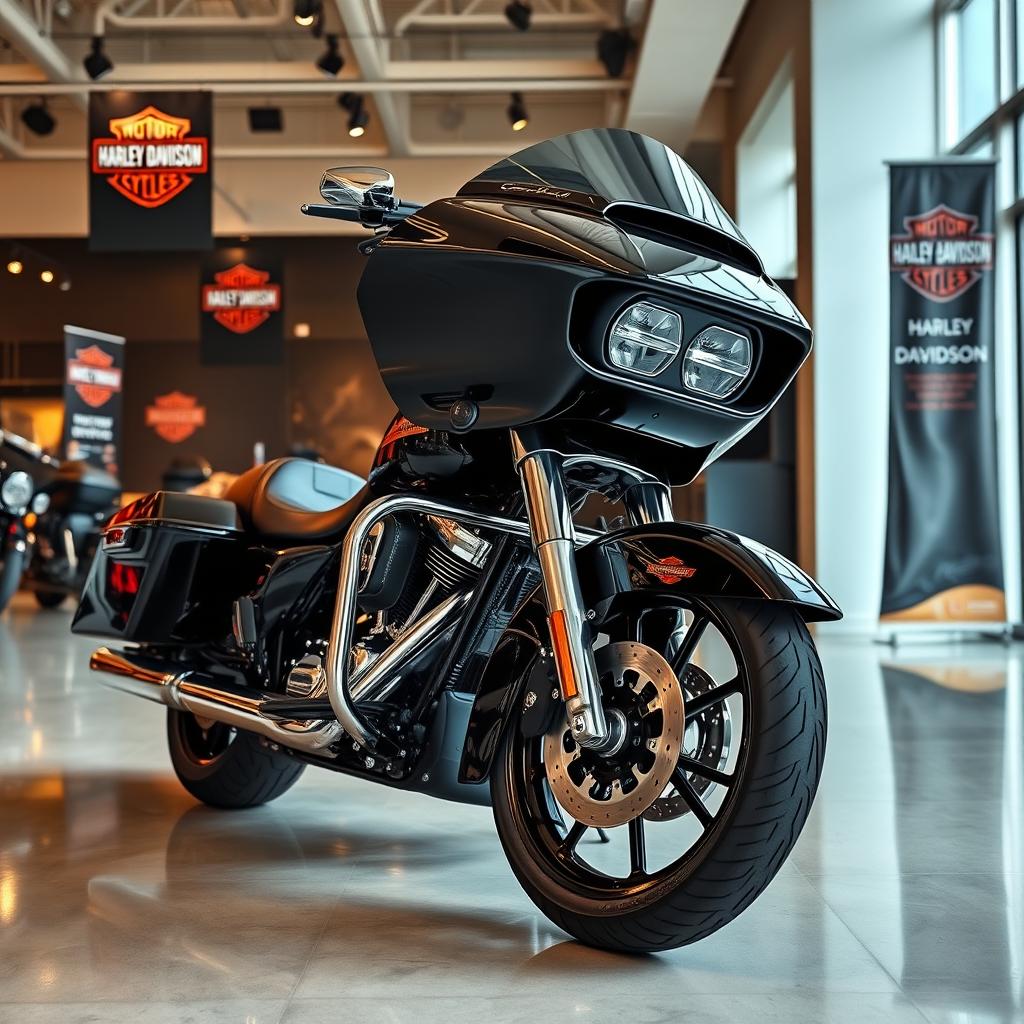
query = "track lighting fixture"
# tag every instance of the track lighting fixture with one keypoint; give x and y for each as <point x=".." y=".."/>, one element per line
<point x="38" y="119"/>
<point x="332" y="61"/>
<point x="358" y="115"/>
<point x="46" y="276"/>
<point x="613" y="46"/>
<point x="15" y="266"/>
<point x="305" y="11"/>
<point x="97" y="64"/>
<point x="519" y="13"/>
<point x="517" y="115"/>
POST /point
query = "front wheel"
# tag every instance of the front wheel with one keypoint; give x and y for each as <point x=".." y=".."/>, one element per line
<point x="720" y="718"/>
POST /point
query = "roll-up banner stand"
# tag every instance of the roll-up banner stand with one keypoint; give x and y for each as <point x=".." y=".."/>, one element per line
<point x="943" y="556"/>
<point x="93" y="378"/>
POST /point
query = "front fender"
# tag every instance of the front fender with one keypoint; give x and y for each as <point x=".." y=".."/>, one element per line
<point x="690" y="559"/>
<point x="676" y="559"/>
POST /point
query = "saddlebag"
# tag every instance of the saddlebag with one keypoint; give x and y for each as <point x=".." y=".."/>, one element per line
<point x="167" y="570"/>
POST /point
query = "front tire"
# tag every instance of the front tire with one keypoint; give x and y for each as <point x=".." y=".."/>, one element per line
<point x="12" y="564"/>
<point x="49" y="598"/>
<point x="744" y="841"/>
<point x="225" y="767"/>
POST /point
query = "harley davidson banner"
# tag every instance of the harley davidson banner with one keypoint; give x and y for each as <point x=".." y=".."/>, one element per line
<point x="93" y="377"/>
<point x="241" y="307"/>
<point x="943" y="557"/>
<point x="150" y="171"/>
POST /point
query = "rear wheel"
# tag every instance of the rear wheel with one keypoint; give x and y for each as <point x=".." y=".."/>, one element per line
<point x="49" y="598"/>
<point x="226" y="767"/>
<point x="722" y="717"/>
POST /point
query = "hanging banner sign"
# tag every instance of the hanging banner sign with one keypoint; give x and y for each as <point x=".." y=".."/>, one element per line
<point x="150" y="178"/>
<point x="93" y="379"/>
<point x="943" y="557"/>
<point x="241" y="307"/>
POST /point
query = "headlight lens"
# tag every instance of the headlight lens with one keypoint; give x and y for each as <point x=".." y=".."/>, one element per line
<point x="645" y="339"/>
<point x="717" y="362"/>
<point x="16" y="491"/>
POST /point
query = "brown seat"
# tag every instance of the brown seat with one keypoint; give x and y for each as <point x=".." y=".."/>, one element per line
<point x="295" y="499"/>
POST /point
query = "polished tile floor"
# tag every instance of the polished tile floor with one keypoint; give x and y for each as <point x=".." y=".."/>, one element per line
<point x="121" y="900"/>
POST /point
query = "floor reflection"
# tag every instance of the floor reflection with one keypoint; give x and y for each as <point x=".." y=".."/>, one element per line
<point x="122" y="899"/>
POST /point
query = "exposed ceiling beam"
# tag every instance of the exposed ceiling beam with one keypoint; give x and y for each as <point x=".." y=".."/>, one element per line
<point x="684" y="43"/>
<point x="26" y="37"/>
<point x="364" y="30"/>
<point x="195" y="78"/>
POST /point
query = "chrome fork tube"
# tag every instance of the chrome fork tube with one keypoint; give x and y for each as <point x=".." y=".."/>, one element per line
<point x="553" y="536"/>
<point x="648" y="502"/>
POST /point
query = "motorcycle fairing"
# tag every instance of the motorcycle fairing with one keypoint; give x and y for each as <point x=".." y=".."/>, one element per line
<point x="671" y="559"/>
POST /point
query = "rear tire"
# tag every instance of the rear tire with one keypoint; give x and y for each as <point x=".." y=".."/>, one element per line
<point x="745" y="845"/>
<point x="49" y="598"/>
<point x="227" y="768"/>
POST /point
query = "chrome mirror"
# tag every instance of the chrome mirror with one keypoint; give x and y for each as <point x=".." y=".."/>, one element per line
<point x="359" y="186"/>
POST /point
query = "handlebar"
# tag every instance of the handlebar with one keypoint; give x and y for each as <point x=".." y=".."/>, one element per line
<point x="369" y="218"/>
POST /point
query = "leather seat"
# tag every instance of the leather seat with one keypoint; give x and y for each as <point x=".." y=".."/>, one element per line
<point x="296" y="499"/>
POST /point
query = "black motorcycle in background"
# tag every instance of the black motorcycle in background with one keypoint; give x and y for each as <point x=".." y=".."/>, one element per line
<point x="65" y="534"/>
<point x="51" y="514"/>
<point x="22" y="465"/>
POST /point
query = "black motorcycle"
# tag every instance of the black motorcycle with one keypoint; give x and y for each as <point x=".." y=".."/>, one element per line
<point x="582" y="317"/>
<point x="80" y="498"/>
<point x="22" y="464"/>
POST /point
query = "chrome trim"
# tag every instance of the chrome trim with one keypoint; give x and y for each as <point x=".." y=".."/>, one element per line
<point x="182" y="688"/>
<point x="384" y="673"/>
<point x="340" y="642"/>
<point x="648" y="502"/>
<point x="554" y="536"/>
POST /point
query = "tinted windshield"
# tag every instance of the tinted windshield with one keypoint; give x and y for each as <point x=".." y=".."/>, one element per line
<point x="599" y="166"/>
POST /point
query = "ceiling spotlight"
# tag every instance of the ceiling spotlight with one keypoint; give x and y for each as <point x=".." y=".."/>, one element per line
<point x="15" y="266"/>
<point x="65" y="285"/>
<point x="46" y="276"/>
<point x="518" y="14"/>
<point x="97" y="64"/>
<point x="37" y="119"/>
<point x="265" y="119"/>
<point x="305" y="11"/>
<point x="332" y="61"/>
<point x="358" y="115"/>
<point x="613" y="46"/>
<point x="517" y="116"/>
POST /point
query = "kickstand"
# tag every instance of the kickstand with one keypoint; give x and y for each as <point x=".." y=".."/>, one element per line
<point x="602" y="836"/>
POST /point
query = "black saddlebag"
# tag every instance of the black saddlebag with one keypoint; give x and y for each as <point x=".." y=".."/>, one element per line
<point x="168" y="569"/>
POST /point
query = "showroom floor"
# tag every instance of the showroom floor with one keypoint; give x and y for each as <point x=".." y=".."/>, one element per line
<point x="121" y="900"/>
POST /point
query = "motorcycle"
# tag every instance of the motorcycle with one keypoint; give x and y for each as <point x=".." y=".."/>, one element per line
<point x="582" y="317"/>
<point x="21" y="463"/>
<point x="80" y="498"/>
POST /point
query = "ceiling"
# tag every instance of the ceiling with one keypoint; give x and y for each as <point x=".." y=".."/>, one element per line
<point x="436" y="75"/>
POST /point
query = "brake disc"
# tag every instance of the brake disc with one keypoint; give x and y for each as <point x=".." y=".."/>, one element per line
<point x="707" y="739"/>
<point x="644" y="703"/>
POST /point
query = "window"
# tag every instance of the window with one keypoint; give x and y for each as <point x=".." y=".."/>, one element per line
<point x="977" y="65"/>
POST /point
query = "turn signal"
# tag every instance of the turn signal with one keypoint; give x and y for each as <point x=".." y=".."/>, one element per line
<point x="558" y="626"/>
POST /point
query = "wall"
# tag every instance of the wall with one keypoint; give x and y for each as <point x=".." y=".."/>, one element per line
<point x="873" y="79"/>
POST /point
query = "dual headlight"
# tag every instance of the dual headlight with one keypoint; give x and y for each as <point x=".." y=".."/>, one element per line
<point x="16" y="491"/>
<point x="646" y="338"/>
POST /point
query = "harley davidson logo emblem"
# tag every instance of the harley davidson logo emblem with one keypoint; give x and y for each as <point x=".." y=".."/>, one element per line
<point x="241" y="298"/>
<point x="93" y="375"/>
<point x="149" y="158"/>
<point x="942" y="254"/>
<point x="175" y="416"/>
<point x="671" y="570"/>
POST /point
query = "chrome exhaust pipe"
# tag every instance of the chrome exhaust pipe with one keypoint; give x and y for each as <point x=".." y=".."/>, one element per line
<point x="185" y="689"/>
